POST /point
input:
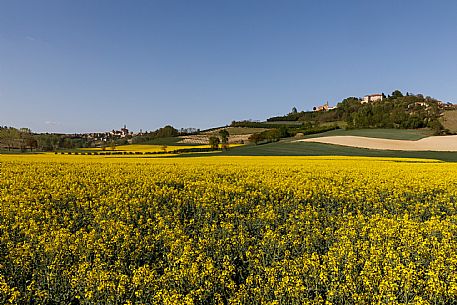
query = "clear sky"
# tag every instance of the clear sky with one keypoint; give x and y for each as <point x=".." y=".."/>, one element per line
<point x="92" y="65"/>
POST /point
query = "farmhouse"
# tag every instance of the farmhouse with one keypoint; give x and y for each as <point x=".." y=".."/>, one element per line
<point x="321" y="108"/>
<point x="372" y="98"/>
<point x="324" y="107"/>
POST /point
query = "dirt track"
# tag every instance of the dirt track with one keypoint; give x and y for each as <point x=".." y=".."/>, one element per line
<point x="443" y="143"/>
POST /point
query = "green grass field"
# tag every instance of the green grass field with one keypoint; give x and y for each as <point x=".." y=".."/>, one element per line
<point x="394" y="134"/>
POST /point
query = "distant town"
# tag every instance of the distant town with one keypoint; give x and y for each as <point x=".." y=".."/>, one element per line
<point x="124" y="134"/>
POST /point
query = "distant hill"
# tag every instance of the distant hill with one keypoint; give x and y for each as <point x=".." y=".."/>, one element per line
<point x="394" y="111"/>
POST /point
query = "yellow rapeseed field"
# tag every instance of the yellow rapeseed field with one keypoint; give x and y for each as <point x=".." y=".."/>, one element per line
<point x="153" y="147"/>
<point x="149" y="147"/>
<point x="227" y="230"/>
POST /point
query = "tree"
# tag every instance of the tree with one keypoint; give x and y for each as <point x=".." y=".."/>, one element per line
<point x="112" y="145"/>
<point x="214" y="142"/>
<point x="272" y="135"/>
<point x="66" y="143"/>
<point x="48" y="142"/>
<point x="224" y="138"/>
<point x="436" y="126"/>
<point x="224" y="135"/>
<point x="9" y="136"/>
<point x="397" y="93"/>
<point x="283" y="132"/>
<point x="347" y="107"/>
<point x="31" y="142"/>
<point x="166" y="132"/>
<point x="27" y="139"/>
<point x="256" y="138"/>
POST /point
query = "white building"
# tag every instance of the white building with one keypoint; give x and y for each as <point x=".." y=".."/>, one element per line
<point x="120" y="133"/>
<point x="322" y="108"/>
<point x="372" y="98"/>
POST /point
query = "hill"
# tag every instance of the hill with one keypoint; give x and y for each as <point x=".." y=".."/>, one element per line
<point x="394" y="111"/>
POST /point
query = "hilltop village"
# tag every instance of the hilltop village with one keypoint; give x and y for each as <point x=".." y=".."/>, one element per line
<point x="379" y="97"/>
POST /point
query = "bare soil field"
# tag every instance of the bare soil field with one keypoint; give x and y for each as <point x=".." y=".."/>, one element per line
<point x="437" y="143"/>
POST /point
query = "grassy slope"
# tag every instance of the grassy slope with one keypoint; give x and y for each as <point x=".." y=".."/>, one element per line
<point x="395" y="134"/>
<point x="449" y="120"/>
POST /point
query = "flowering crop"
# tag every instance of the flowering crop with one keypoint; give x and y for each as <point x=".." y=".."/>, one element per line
<point x="227" y="230"/>
<point x="149" y="147"/>
<point x="154" y="148"/>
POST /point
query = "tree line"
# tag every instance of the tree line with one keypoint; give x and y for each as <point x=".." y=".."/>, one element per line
<point x="24" y="139"/>
<point x="12" y="138"/>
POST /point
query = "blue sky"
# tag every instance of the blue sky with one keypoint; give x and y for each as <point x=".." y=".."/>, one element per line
<point x="92" y="65"/>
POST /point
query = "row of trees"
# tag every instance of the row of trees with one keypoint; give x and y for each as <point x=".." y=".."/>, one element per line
<point x="23" y="139"/>
<point x="12" y="138"/>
